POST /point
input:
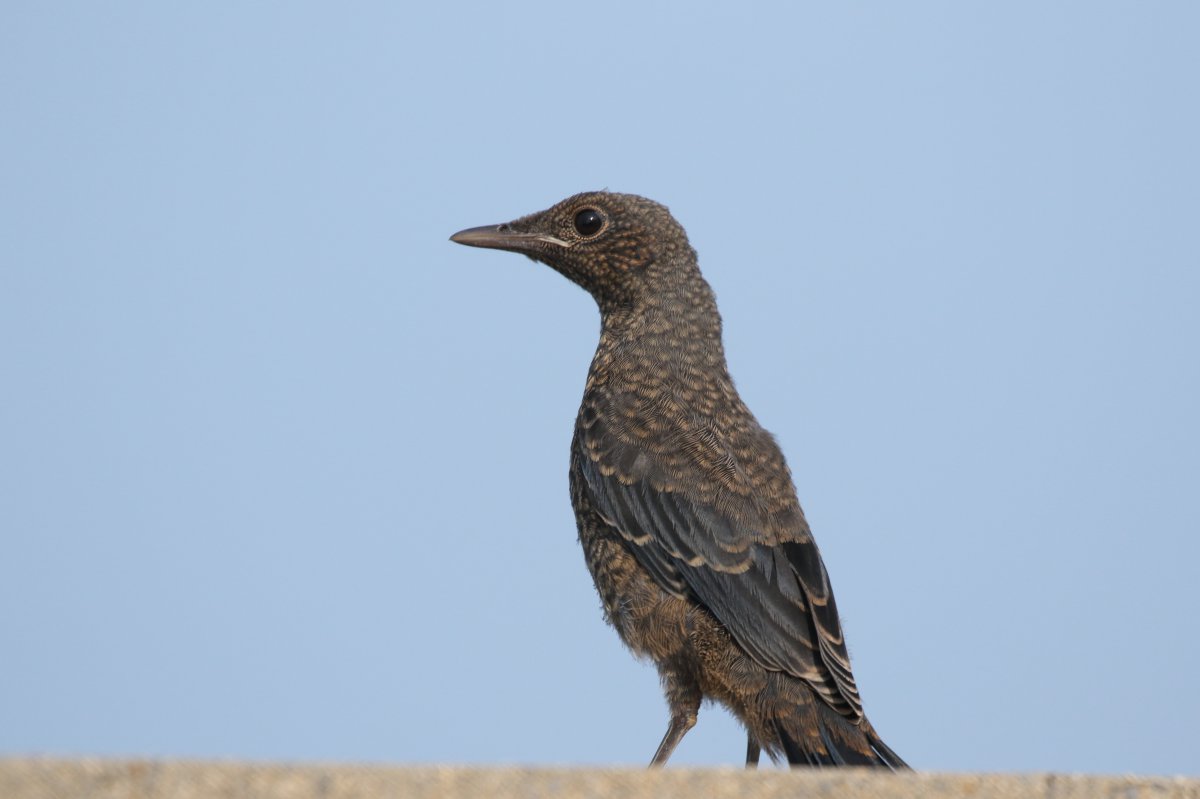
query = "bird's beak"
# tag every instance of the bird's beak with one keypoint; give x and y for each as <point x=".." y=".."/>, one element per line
<point x="496" y="237"/>
<point x="503" y="237"/>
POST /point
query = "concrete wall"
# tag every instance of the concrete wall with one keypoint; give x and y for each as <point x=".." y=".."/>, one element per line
<point x="35" y="778"/>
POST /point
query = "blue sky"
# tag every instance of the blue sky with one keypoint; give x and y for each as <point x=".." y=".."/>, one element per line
<point x="283" y="472"/>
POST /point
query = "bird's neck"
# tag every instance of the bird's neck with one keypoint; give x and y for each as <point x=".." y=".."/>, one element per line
<point x="671" y="332"/>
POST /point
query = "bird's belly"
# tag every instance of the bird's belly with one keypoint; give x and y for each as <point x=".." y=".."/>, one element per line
<point x="673" y="632"/>
<point x="651" y="621"/>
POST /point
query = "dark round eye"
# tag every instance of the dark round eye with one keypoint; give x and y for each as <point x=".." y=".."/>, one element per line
<point x="588" y="222"/>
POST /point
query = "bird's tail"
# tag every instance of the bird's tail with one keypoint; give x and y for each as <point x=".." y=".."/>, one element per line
<point x="839" y="742"/>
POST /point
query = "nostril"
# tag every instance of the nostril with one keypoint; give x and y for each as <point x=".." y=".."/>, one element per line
<point x="502" y="228"/>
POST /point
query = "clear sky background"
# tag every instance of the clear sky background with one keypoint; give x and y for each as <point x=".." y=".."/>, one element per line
<point x="283" y="472"/>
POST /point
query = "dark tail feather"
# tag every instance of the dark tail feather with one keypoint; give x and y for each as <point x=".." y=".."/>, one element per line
<point x="841" y="744"/>
<point x="886" y="755"/>
<point x="798" y="755"/>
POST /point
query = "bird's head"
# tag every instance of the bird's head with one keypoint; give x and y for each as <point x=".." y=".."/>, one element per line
<point x="613" y="245"/>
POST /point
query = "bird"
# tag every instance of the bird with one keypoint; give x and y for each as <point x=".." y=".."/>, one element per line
<point x="686" y="509"/>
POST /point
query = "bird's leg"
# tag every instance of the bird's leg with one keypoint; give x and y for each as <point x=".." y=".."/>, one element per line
<point x="683" y="697"/>
<point x="752" y="752"/>
<point x="678" y="728"/>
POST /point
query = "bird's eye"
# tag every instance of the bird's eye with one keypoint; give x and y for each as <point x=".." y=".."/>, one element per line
<point x="588" y="222"/>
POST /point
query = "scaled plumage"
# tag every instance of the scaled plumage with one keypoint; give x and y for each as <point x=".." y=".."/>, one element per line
<point x="685" y="506"/>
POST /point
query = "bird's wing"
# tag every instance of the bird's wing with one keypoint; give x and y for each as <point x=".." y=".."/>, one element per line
<point x="717" y="520"/>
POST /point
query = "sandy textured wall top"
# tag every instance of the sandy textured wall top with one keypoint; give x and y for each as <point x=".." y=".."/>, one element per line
<point x="35" y="778"/>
